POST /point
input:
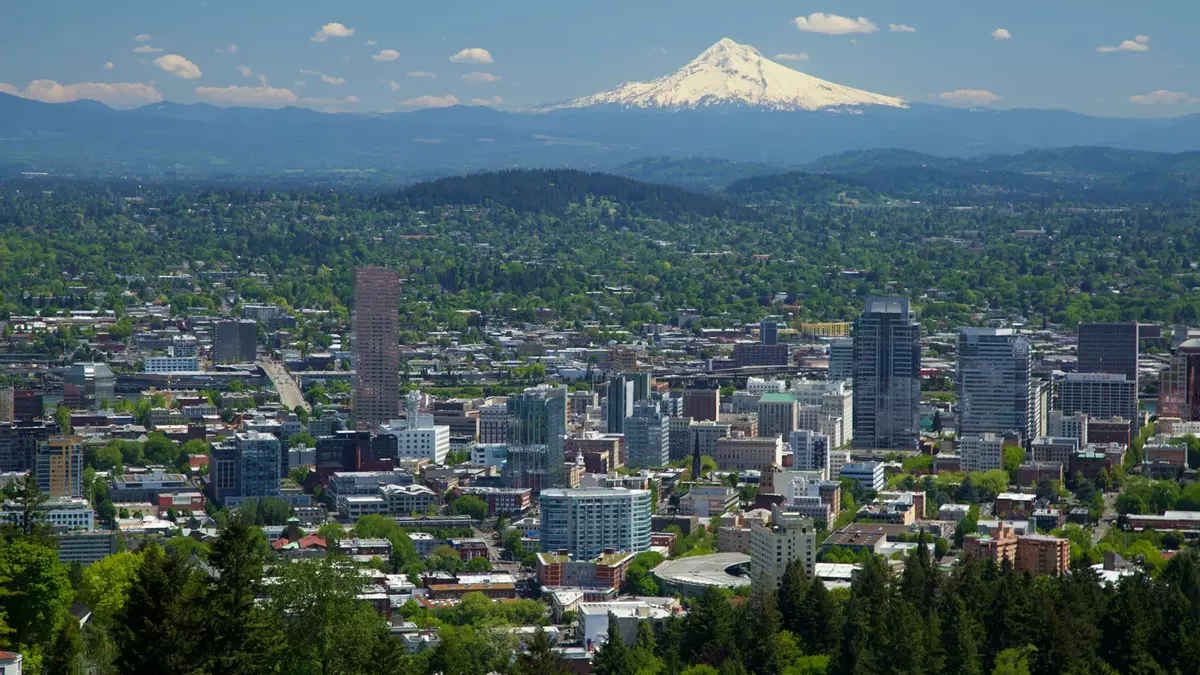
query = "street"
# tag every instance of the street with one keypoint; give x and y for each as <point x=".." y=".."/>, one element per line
<point x="1106" y="519"/>
<point x="289" y="392"/>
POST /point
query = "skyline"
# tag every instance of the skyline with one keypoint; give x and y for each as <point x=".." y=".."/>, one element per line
<point x="1111" y="60"/>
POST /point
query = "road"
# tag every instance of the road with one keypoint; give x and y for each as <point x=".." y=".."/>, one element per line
<point x="289" y="391"/>
<point x="1107" y="519"/>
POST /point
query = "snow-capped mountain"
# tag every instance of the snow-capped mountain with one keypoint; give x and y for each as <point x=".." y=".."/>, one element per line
<point x="729" y="73"/>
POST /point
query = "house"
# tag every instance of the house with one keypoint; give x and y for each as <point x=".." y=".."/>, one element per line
<point x="10" y="663"/>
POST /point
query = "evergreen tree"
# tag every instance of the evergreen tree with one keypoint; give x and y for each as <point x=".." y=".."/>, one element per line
<point x="761" y="623"/>
<point x="793" y="588"/>
<point x="708" y="629"/>
<point x="959" y="638"/>
<point x="644" y="655"/>
<point x="820" y="626"/>
<point x="918" y="581"/>
<point x="157" y="632"/>
<point x="63" y="656"/>
<point x="538" y="658"/>
<point x="613" y="656"/>
<point x="243" y="638"/>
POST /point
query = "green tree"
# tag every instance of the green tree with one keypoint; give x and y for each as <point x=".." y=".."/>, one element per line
<point x="1014" y="661"/>
<point x="538" y="658"/>
<point x="64" y="653"/>
<point x="328" y="629"/>
<point x="158" y="631"/>
<point x="242" y="637"/>
<point x="106" y="584"/>
<point x="38" y="590"/>
<point x="28" y="498"/>
<point x="469" y="505"/>
<point x="612" y="658"/>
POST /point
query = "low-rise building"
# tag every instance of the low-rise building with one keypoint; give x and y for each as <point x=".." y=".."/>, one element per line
<point x="507" y="501"/>
<point x="1042" y="555"/>
<point x="606" y="571"/>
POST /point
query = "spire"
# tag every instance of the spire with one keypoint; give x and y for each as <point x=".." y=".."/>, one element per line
<point x="696" y="459"/>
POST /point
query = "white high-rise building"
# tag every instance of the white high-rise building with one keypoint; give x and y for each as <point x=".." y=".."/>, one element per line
<point x="419" y="438"/>
<point x="821" y="402"/>
<point x="789" y="536"/>
<point x="585" y="521"/>
<point x="1062" y="425"/>
<point x="810" y="451"/>
<point x="760" y="386"/>
<point x="981" y="453"/>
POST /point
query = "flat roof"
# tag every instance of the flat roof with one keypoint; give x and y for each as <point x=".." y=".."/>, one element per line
<point x="704" y="570"/>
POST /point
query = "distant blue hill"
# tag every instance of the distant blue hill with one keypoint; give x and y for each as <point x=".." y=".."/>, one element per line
<point x="201" y="140"/>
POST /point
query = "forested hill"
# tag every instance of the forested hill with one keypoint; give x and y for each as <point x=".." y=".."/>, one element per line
<point x="557" y="190"/>
<point x="798" y="188"/>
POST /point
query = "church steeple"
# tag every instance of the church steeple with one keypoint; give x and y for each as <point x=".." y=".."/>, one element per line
<point x="696" y="459"/>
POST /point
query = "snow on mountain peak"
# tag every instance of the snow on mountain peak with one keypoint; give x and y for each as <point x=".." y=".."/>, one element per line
<point x="730" y="73"/>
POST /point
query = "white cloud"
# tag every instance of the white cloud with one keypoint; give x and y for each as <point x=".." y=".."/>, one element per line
<point x="901" y="28"/>
<point x="349" y="100"/>
<point x="143" y="37"/>
<point x="392" y="84"/>
<point x="327" y="79"/>
<point x="832" y="24"/>
<point x="421" y="73"/>
<point x="245" y="71"/>
<point x="1163" y="97"/>
<point x="332" y="30"/>
<point x="1001" y="34"/>
<point x="493" y="101"/>
<point x="432" y="101"/>
<point x="109" y="66"/>
<point x="1140" y="43"/>
<point x="231" y="49"/>
<point x="178" y="66"/>
<point x="387" y="55"/>
<point x="969" y="97"/>
<point x="118" y="93"/>
<point x="146" y="49"/>
<point x="372" y="43"/>
<point x="793" y="56"/>
<point x="472" y="55"/>
<point x="254" y="96"/>
<point x="481" y="77"/>
<point x="301" y="83"/>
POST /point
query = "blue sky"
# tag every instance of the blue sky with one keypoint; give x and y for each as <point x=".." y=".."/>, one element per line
<point x="1102" y="57"/>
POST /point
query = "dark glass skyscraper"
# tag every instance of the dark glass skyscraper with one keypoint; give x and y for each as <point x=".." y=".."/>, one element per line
<point x="1109" y="348"/>
<point x="537" y="430"/>
<point x="887" y="376"/>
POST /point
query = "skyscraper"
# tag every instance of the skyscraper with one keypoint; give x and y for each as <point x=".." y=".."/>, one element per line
<point x="647" y="442"/>
<point x="993" y="383"/>
<point x="887" y="376"/>
<point x="376" y="347"/>
<point x="768" y="331"/>
<point x="235" y="341"/>
<point x="586" y="521"/>
<point x="60" y="466"/>
<point x="618" y="404"/>
<point x="841" y="359"/>
<point x="537" y="430"/>
<point x="1109" y="348"/>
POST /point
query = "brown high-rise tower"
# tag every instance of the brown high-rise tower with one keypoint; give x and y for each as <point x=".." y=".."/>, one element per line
<point x="376" y="346"/>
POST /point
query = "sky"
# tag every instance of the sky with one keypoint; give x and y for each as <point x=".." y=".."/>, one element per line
<point x="1101" y="57"/>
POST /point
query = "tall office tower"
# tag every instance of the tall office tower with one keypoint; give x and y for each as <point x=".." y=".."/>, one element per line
<point x="1179" y="383"/>
<point x="887" y="376"/>
<point x="259" y="466"/>
<point x="235" y="341"/>
<point x="60" y="466"/>
<point x="87" y="385"/>
<point x="586" y="521"/>
<point x="376" y="347"/>
<point x="768" y="331"/>
<point x="701" y="404"/>
<point x="618" y="404"/>
<point x="1109" y="348"/>
<point x="993" y="383"/>
<point x="777" y="414"/>
<point x="537" y="430"/>
<point x="841" y="359"/>
<point x="647" y="439"/>
<point x="789" y="536"/>
<point x="641" y="385"/>
<point x="810" y="451"/>
<point x="1100" y="395"/>
<point x="19" y="444"/>
<point x="679" y="432"/>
